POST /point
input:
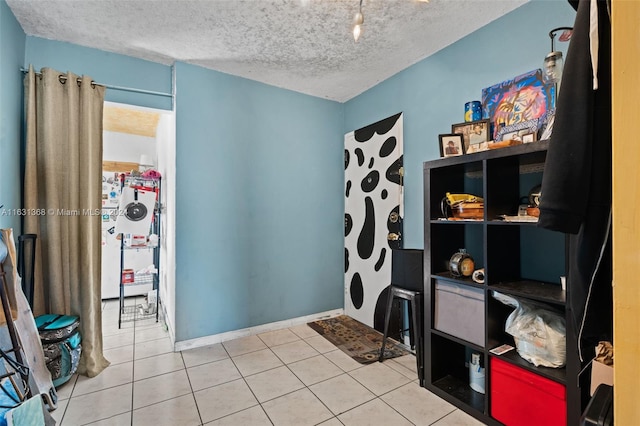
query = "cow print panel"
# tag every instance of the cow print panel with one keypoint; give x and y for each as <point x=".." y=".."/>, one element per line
<point x="393" y="172"/>
<point x="388" y="147"/>
<point x="381" y="258"/>
<point x="360" y="156"/>
<point x="370" y="182"/>
<point x="348" y="224"/>
<point x="368" y="231"/>
<point x="381" y="127"/>
<point x="346" y="260"/>
<point x="356" y="290"/>
<point x="373" y="205"/>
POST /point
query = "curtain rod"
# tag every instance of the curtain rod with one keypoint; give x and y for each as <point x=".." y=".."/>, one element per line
<point x="109" y="86"/>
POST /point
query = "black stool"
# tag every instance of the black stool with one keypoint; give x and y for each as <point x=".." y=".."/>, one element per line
<point x="407" y="284"/>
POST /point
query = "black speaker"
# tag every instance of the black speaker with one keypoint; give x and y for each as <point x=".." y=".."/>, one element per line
<point x="406" y="269"/>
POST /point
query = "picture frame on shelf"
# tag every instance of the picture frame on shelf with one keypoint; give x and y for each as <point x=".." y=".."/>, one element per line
<point x="528" y="137"/>
<point x="451" y="145"/>
<point x="474" y="133"/>
<point x="516" y="131"/>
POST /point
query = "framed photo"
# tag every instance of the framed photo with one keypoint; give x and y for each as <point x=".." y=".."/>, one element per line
<point x="516" y="131"/>
<point x="528" y="137"/>
<point x="473" y="133"/>
<point x="451" y="145"/>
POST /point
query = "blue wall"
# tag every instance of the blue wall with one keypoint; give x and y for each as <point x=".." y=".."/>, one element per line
<point x="259" y="225"/>
<point x="260" y="169"/>
<point x="105" y="68"/>
<point x="259" y="209"/>
<point x="12" y="45"/>
<point x="432" y="93"/>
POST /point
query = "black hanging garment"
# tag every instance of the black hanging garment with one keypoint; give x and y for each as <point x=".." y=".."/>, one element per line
<point x="576" y="186"/>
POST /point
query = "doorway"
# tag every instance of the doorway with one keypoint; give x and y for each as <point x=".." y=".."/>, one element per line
<point x="135" y="137"/>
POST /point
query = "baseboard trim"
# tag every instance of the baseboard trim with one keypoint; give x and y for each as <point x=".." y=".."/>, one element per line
<point x="250" y="331"/>
<point x="168" y="325"/>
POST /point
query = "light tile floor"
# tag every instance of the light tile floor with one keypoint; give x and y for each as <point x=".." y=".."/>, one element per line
<point x="290" y="377"/>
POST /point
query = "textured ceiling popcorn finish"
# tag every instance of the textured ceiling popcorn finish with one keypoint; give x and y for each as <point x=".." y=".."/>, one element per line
<point x="301" y="45"/>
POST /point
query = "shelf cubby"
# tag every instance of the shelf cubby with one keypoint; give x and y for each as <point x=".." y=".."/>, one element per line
<point x="450" y="373"/>
<point x="450" y="239"/>
<point x="520" y="253"/>
<point x="464" y="178"/>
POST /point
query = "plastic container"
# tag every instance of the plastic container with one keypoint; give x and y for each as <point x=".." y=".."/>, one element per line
<point x="476" y="374"/>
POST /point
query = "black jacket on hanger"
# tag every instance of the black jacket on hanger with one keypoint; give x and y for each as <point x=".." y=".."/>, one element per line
<point x="576" y="186"/>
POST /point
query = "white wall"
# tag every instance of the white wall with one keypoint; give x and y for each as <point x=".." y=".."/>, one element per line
<point x="126" y="147"/>
<point x="166" y="149"/>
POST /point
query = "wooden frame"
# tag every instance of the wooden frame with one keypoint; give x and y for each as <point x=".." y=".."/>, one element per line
<point x="473" y="133"/>
<point x="528" y="137"/>
<point x="119" y="166"/>
<point x="451" y="145"/>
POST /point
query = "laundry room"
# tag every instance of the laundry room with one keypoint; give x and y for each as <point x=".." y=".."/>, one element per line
<point x="129" y="138"/>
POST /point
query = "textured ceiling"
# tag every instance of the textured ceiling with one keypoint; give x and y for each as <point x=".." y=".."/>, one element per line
<point x="302" y="45"/>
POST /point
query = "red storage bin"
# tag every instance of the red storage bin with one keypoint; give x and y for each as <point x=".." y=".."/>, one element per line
<point x="128" y="276"/>
<point x="520" y="397"/>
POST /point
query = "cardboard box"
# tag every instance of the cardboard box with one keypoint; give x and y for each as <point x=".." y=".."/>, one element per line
<point x="600" y="373"/>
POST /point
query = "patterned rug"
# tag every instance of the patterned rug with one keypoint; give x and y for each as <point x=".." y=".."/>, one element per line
<point x="356" y="339"/>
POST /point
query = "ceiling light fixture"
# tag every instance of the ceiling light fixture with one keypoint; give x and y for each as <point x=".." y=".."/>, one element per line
<point x="358" y="19"/>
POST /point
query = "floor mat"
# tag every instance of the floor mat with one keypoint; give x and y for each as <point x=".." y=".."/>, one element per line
<point x="359" y="341"/>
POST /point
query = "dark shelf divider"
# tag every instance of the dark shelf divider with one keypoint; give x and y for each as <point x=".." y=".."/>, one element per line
<point x="457" y="340"/>
<point x="461" y="391"/>
<point x="556" y="374"/>
<point x="534" y="290"/>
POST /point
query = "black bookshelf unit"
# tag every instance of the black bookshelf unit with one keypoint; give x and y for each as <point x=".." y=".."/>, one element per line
<point x="519" y="259"/>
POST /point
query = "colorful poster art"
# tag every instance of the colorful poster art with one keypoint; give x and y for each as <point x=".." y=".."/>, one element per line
<point x="525" y="98"/>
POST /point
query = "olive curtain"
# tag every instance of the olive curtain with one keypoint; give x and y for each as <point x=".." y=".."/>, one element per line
<point x="63" y="199"/>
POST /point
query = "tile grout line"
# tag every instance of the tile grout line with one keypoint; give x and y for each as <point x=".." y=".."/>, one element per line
<point x="298" y="338"/>
<point x="247" y="384"/>
<point x="304" y="384"/>
<point x="133" y="371"/>
<point x="307" y="386"/>
<point x="446" y="415"/>
<point x="193" y="394"/>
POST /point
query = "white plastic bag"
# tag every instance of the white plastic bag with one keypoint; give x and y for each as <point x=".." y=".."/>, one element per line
<point x="539" y="333"/>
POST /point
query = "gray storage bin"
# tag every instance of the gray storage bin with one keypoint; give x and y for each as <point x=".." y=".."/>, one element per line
<point x="459" y="311"/>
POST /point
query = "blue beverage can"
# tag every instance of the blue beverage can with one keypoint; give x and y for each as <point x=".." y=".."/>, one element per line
<point x="472" y="111"/>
